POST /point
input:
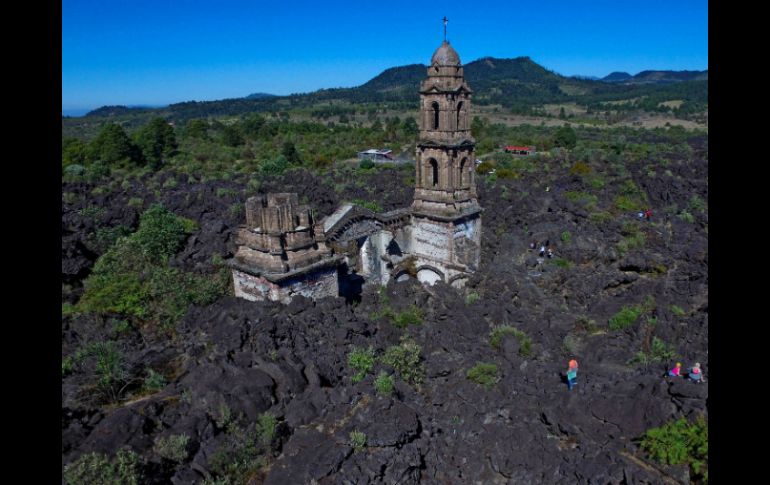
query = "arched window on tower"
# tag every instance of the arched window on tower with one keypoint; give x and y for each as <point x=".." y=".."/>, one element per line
<point x="435" y="115"/>
<point x="459" y="110"/>
<point x="434" y="171"/>
<point x="464" y="178"/>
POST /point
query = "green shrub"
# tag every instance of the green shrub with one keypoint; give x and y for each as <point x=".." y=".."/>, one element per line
<point x="697" y="204"/>
<point x="626" y="203"/>
<point x="561" y="262"/>
<point x="579" y="168"/>
<point x="361" y="360"/>
<point x="121" y="327"/>
<point x="680" y="442"/>
<point x="357" y="440"/>
<point x="472" y="298"/>
<point x="266" y="428"/>
<point x="75" y="170"/>
<point x="95" y="468"/>
<point x="236" y="209"/>
<point x="160" y="233"/>
<point x="483" y="373"/>
<point x="366" y="164"/>
<point x="67" y="366"/>
<point x="497" y="334"/>
<point x="372" y="206"/>
<point x="410" y="316"/>
<point x="566" y="236"/>
<point x="384" y="384"/>
<point x="104" y="237"/>
<point x="135" y="202"/>
<point x="253" y="186"/>
<point x="626" y="317"/>
<point x="225" y="192"/>
<point x="132" y="278"/>
<point x="93" y="212"/>
<point x="240" y="457"/>
<point x="154" y="381"/>
<point x="172" y="447"/>
<point x="69" y="197"/>
<point x="659" y="352"/>
<point x="601" y="217"/>
<point x="686" y="216"/>
<point x="405" y="359"/>
<point x="581" y="198"/>
<point x="678" y="311"/>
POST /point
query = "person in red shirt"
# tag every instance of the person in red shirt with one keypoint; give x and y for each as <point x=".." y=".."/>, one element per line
<point x="648" y="214"/>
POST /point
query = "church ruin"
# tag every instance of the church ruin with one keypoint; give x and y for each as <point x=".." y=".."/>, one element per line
<point x="283" y="251"/>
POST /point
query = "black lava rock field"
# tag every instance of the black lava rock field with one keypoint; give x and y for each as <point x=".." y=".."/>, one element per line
<point x="266" y="393"/>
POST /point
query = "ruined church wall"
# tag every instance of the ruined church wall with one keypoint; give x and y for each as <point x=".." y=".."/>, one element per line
<point x="317" y="284"/>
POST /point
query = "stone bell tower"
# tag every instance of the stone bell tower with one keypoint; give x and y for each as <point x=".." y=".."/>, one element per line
<point x="446" y="234"/>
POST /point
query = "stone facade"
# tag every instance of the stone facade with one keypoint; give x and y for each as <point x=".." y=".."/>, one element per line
<point x="283" y="252"/>
<point x="278" y="255"/>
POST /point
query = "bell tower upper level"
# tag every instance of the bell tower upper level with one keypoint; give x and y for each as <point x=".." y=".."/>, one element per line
<point x="445" y="183"/>
<point x="445" y="99"/>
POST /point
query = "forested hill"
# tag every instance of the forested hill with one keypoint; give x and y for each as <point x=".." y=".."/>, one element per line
<point x="519" y="85"/>
<point x="657" y="77"/>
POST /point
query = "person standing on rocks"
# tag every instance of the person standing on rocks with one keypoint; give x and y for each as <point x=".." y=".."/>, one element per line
<point x="572" y="374"/>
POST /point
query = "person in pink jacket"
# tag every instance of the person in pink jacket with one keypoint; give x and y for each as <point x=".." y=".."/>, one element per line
<point x="675" y="371"/>
<point x="696" y="374"/>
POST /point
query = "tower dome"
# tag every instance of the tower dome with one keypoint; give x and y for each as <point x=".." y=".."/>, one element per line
<point x="445" y="55"/>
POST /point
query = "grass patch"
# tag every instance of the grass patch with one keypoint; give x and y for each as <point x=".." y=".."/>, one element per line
<point x="125" y="468"/>
<point x="405" y="359"/>
<point x="372" y="206"/>
<point x="483" y="373"/>
<point x="633" y="238"/>
<point x="677" y="310"/>
<point x="626" y="317"/>
<point x="497" y="334"/>
<point x="659" y="352"/>
<point x="561" y="262"/>
<point x="357" y="440"/>
<point x="362" y="360"/>
<point x="384" y="384"/>
<point x="581" y="198"/>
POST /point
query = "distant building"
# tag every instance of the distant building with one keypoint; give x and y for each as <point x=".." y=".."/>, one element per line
<point x="384" y="155"/>
<point x="516" y="150"/>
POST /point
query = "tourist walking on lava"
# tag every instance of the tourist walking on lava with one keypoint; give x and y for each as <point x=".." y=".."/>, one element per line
<point x="572" y="374"/>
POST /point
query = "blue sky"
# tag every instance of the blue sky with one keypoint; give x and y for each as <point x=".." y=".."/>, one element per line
<point x="158" y="52"/>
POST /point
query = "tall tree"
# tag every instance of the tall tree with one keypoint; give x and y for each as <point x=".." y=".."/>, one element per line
<point x="156" y="140"/>
<point x="197" y="128"/>
<point x="73" y="151"/>
<point x="231" y="136"/>
<point x="252" y="124"/>
<point x="565" y="137"/>
<point x="113" y="147"/>
<point x="291" y="154"/>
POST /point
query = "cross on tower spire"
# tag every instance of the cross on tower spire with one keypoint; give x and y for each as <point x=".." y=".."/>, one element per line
<point x="445" y="21"/>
